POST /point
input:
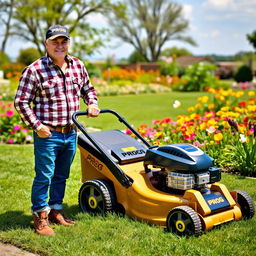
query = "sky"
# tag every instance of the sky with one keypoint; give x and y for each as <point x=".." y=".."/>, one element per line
<point x="218" y="27"/>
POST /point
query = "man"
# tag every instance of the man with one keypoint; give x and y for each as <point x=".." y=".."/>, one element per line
<point x="47" y="96"/>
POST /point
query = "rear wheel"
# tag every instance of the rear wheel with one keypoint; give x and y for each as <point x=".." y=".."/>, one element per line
<point x="245" y="203"/>
<point x="97" y="197"/>
<point x="183" y="221"/>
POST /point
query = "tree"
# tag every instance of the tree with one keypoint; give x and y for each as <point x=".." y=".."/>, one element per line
<point x="31" y="18"/>
<point x="136" y="57"/>
<point x="27" y="56"/>
<point x="175" y="51"/>
<point x="252" y="39"/>
<point x="148" y="24"/>
<point x="6" y="14"/>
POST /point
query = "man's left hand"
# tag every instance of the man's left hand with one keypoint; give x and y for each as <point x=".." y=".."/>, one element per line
<point x="93" y="110"/>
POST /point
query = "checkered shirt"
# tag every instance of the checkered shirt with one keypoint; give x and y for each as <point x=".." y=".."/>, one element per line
<point x="48" y="96"/>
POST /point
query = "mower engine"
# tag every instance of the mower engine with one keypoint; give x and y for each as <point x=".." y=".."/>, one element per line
<point x="182" y="167"/>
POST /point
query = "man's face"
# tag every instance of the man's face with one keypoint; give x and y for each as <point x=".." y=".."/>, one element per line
<point x="57" y="48"/>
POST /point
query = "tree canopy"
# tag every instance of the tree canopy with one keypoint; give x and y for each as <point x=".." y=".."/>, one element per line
<point x="31" y="18"/>
<point x="148" y="24"/>
<point x="252" y="39"/>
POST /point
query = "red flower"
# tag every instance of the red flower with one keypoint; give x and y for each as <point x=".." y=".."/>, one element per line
<point x="242" y="104"/>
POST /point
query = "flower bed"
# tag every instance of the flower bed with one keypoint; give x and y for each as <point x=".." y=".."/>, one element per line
<point x="223" y="125"/>
<point x="12" y="130"/>
<point x="125" y="87"/>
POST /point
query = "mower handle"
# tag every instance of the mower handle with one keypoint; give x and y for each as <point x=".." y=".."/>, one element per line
<point x="120" y="118"/>
<point x="117" y="172"/>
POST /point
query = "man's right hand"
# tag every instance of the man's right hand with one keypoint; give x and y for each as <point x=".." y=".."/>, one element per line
<point x="44" y="132"/>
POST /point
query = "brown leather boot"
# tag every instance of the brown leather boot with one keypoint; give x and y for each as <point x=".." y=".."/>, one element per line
<point x="58" y="217"/>
<point x="41" y="224"/>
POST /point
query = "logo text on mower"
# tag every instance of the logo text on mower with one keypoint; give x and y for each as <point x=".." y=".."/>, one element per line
<point x="134" y="152"/>
<point x="94" y="162"/>
<point x="216" y="201"/>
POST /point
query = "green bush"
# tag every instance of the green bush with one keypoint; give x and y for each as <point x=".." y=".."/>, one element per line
<point x="92" y="69"/>
<point x="169" y="66"/>
<point x="244" y="74"/>
<point x="27" y="56"/>
<point x="136" y="57"/>
<point x="199" y="76"/>
<point x="4" y="59"/>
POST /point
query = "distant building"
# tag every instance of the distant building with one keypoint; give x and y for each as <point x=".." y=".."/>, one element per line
<point x="185" y="61"/>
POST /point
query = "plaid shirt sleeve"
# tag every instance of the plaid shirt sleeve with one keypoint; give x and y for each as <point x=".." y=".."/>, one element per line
<point x="88" y="92"/>
<point x="24" y="96"/>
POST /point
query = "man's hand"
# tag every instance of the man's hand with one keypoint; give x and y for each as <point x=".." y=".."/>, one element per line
<point x="93" y="110"/>
<point x="44" y="132"/>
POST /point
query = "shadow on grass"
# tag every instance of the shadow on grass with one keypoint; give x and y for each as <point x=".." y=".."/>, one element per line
<point x="17" y="219"/>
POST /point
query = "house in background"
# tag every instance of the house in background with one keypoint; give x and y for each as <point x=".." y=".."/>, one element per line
<point x="185" y="61"/>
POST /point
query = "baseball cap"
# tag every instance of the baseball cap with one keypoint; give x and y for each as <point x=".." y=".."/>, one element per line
<point x="56" y="31"/>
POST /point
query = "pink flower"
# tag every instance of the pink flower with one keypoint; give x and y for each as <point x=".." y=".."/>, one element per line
<point x="10" y="141"/>
<point x="16" y="127"/>
<point x="28" y="138"/>
<point x="9" y="113"/>
<point x="128" y="132"/>
<point x="24" y="130"/>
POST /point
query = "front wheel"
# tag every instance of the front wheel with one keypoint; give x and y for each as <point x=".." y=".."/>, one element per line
<point x="183" y="221"/>
<point x="245" y="203"/>
<point x="97" y="197"/>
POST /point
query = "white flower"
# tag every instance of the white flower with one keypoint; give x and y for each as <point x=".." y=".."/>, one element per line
<point x="242" y="138"/>
<point x="211" y="129"/>
<point x="176" y="104"/>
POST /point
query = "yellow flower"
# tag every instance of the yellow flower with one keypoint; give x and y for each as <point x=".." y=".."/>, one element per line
<point x="218" y="136"/>
<point x="212" y="142"/>
<point x="208" y="115"/>
<point x="202" y="126"/>
<point x="159" y="134"/>
<point x="211" y="106"/>
<point x="239" y="94"/>
<point x="225" y="108"/>
<point x="211" y="122"/>
<point x="191" y="109"/>
<point x="203" y="99"/>
<point x="251" y="93"/>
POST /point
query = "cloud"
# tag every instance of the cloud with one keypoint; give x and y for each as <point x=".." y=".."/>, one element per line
<point x="97" y="20"/>
<point x="218" y="4"/>
<point x="231" y="5"/>
<point x="211" y="34"/>
<point x="187" y="11"/>
<point x="243" y="11"/>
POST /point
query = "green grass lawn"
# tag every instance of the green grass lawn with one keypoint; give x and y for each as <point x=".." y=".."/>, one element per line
<point x="111" y="235"/>
<point x="139" y="109"/>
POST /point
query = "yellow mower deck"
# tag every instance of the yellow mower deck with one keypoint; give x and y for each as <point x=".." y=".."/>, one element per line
<point x="144" y="202"/>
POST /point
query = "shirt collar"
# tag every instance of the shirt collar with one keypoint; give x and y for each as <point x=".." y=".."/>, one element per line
<point x="50" y="61"/>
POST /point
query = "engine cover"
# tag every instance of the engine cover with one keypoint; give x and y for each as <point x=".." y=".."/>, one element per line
<point x="181" y="157"/>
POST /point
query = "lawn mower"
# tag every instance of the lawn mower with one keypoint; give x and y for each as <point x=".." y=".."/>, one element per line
<point x="175" y="186"/>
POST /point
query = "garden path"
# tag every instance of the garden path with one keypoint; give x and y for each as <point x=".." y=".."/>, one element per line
<point x="11" y="250"/>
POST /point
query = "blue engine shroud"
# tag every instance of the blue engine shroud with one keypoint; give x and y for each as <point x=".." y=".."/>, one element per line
<point x="182" y="157"/>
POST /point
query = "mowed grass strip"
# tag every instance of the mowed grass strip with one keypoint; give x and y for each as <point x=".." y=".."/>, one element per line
<point x="141" y="109"/>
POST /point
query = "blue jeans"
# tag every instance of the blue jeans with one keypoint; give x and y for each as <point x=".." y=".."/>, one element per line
<point x="53" y="158"/>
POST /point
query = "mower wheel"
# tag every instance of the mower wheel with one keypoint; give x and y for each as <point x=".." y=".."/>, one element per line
<point x="246" y="204"/>
<point x="97" y="197"/>
<point x="183" y="221"/>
